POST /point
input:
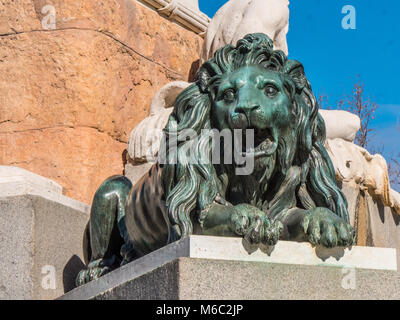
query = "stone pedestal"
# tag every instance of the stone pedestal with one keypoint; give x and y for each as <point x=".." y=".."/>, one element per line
<point x="40" y="236"/>
<point x="201" y="267"/>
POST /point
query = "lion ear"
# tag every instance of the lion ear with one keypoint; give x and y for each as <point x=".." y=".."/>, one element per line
<point x="295" y="70"/>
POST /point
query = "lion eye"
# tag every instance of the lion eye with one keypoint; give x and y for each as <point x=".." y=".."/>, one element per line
<point x="229" y="95"/>
<point x="271" y="91"/>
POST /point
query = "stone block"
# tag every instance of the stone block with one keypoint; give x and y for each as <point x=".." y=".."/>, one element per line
<point x="200" y="267"/>
<point x="16" y="181"/>
<point x="41" y="245"/>
<point x="41" y="235"/>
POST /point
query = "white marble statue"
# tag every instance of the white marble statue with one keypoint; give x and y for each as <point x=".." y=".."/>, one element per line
<point x="356" y="166"/>
<point x="238" y="18"/>
<point x="340" y="124"/>
<point x="145" y="139"/>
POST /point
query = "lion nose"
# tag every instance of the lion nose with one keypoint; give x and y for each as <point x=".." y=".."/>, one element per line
<point x="241" y="116"/>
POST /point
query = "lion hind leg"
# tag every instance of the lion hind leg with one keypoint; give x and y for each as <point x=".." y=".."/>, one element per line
<point x="103" y="233"/>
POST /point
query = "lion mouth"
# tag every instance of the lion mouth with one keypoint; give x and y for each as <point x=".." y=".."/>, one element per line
<point x="265" y="142"/>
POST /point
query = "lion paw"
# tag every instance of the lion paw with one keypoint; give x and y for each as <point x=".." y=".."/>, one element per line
<point x="265" y="232"/>
<point x="323" y="227"/>
<point x="95" y="270"/>
<point x="85" y="276"/>
<point x="255" y="227"/>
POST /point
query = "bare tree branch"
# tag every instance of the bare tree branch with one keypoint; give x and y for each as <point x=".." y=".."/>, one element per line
<point x="394" y="171"/>
<point x="323" y="102"/>
<point x="362" y="106"/>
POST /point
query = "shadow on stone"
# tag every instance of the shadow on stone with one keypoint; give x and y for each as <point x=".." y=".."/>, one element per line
<point x="250" y="248"/>
<point x="70" y="272"/>
<point x="396" y="217"/>
<point x="381" y="210"/>
<point x="267" y="249"/>
<point x="325" y="253"/>
<point x="193" y="70"/>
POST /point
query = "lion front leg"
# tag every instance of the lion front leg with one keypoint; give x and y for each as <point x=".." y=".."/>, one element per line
<point x="319" y="226"/>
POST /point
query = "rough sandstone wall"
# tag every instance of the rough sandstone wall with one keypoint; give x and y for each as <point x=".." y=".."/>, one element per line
<point x="69" y="97"/>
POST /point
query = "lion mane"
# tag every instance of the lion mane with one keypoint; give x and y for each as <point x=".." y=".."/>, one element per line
<point x="191" y="187"/>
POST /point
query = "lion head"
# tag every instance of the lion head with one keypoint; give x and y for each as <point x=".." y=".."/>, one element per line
<point x="252" y="97"/>
<point x="250" y="86"/>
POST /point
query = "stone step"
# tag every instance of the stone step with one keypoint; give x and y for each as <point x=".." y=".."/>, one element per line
<point x="201" y="267"/>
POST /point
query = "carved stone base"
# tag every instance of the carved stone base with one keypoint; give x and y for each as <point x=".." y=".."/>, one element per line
<point x="221" y="268"/>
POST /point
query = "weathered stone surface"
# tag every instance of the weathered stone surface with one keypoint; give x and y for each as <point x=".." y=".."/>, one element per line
<point x="145" y="31"/>
<point x="37" y="234"/>
<point x="17" y="16"/>
<point x="69" y="97"/>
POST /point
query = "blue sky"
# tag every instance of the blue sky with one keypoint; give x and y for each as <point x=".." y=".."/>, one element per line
<point x="333" y="56"/>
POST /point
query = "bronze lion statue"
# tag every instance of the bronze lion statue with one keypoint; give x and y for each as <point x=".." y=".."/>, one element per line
<point x="291" y="192"/>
